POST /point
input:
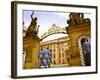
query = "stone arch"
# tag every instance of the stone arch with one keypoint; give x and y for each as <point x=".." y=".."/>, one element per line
<point x="80" y="48"/>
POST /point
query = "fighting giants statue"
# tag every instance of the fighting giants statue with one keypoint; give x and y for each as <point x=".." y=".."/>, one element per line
<point x="31" y="43"/>
<point x="33" y="28"/>
<point x="77" y="18"/>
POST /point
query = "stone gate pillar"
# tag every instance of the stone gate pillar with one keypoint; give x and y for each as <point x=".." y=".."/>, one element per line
<point x="78" y="26"/>
<point x="31" y="47"/>
<point x="31" y="44"/>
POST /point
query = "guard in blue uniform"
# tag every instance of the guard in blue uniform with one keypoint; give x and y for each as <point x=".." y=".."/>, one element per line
<point x="41" y="56"/>
<point x="47" y="56"/>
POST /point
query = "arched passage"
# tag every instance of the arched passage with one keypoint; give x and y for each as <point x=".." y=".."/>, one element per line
<point x="57" y="45"/>
<point x="80" y="41"/>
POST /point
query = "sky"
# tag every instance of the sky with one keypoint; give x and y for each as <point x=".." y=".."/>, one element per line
<point x="45" y="19"/>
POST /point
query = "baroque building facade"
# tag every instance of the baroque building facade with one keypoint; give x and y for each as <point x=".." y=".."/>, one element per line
<point x="60" y="49"/>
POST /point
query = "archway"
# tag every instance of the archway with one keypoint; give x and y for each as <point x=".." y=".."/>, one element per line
<point x="80" y="41"/>
<point x="58" y="46"/>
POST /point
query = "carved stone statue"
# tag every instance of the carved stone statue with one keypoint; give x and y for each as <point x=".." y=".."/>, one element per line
<point x="33" y="29"/>
<point x="75" y="18"/>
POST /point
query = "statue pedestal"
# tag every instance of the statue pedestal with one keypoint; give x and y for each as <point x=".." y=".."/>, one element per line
<point x="31" y="45"/>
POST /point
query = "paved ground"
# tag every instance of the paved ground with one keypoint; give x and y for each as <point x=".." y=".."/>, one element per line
<point x="56" y="66"/>
<point x="61" y="65"/>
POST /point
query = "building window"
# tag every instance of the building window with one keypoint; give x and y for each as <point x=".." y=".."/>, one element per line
<point x="63" y="61"/>
<point x="59" y="58"/>
<point x="54" y="56"/>
<point x="54" y="45"/>
<point x="62" y="49"/>
<point x="54" y="62"/>
<point x="63" y="55"/>
<point x="51" y="45"/>
<point x="54" y="50"/>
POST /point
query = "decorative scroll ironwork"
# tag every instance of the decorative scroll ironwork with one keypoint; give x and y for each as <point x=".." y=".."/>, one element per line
<point x="54" y="30"/>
